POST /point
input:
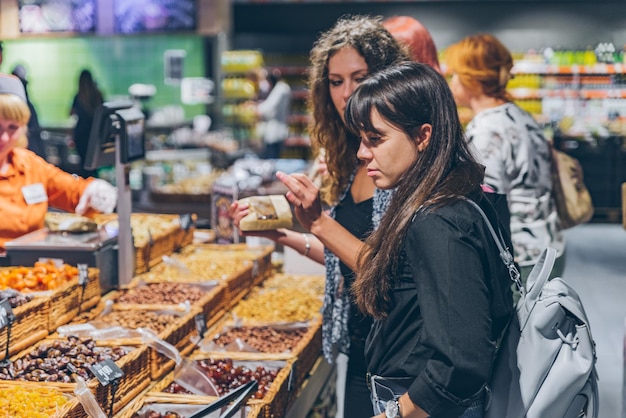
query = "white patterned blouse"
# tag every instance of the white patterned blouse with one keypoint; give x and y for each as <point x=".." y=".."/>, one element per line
<point x="516" y="155"/>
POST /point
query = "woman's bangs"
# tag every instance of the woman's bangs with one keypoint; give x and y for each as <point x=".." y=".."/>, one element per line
<point x="359" y="113"/>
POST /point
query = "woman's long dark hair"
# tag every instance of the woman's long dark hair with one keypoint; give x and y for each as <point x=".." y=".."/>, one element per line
<point x="407" y="96"/>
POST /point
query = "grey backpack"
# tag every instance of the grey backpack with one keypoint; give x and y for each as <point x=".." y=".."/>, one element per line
<point x="545" y="365"/>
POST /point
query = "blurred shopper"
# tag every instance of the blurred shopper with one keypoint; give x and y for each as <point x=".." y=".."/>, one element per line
<point x="412" y="33"/>
<point x="510" y="144"/>
<point x="35" y="143"/>
<point x="273" y="114"/>
<point x="29" y="184"/>
<point x="85" y="102"/>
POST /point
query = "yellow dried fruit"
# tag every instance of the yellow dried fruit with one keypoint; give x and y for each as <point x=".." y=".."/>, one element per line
<point x="34" y="402"/>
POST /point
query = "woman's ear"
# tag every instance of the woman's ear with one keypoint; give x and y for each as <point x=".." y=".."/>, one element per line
<point x="423" y="136"/>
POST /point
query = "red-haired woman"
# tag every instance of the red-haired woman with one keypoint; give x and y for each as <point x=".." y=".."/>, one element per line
<point x="509" y="143"/>
<point x="412" y="33"/>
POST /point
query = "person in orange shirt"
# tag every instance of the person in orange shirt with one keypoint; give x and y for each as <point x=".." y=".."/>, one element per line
<point x="28" y="183"/>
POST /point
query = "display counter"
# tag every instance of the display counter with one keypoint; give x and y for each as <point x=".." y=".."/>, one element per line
<point x="216" y="283"/>
<point x="95" y="249"/>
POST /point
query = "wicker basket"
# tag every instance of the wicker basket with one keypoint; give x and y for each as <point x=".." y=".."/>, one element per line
<point x="304" y="354"/>
<point x="171" y="238"/>
<point x="64" y="301"/>
<point x="70" y="299"/>
<point x="63" y="304"/>
<point x="242" y="266"/>
<point x="166" y="237"/>
<point x="30" y="325"/>
<point x="169" y="403"/>
<point x="260" y="256"/>
<point x="178" y="333"/>
<point x="71" y="409"/>
<point x="149" y="254"/>
<point x="136" y="378"/>
<point x="211" y="303"/>
<point x="90" y="296"/>
<point x="276" y="399"/>
<point x="191" y="267"/>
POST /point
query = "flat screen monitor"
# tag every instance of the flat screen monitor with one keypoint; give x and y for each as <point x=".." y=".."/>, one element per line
<point x="113" y="119"/>
<point x="133" y="16"/>
<point x="48" y="16"/>
<point x="132" y="134"/>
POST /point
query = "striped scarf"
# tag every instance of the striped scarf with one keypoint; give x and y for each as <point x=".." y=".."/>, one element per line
<point x="336" y="309"/>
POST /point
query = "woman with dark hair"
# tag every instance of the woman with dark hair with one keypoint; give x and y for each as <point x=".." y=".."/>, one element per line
<point x="430" y="275"/>
<point x="85" y="102"/>
<point x="342" y="58"/>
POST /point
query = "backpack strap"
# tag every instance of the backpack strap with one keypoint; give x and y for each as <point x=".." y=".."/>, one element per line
<point x="595" y="393"/>
<point x="503" y="251"/>
<point x="540" y="273"/>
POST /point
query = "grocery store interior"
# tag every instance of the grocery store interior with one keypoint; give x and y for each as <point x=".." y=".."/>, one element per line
<point x="187" y="65"/>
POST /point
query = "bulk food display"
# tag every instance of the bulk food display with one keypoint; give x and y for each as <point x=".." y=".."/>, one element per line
<point x="219" y="310"/>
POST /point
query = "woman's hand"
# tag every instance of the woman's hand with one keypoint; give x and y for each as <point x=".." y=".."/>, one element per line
<point x="304" y="195"/>
<point x="319" y="169"/>
<point x="237" y="211"/>
<point x="99" y="195"/>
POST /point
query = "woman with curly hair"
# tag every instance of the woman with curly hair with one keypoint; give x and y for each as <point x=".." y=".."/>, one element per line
<point x="342" y="58"/>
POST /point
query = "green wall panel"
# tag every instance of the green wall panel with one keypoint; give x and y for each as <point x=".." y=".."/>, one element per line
<point x="54" y="64"/>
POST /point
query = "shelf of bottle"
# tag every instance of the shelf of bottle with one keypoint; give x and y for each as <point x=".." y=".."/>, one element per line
<point x="532" y="93"/>
<point x="298" y="119"/>
<point x="299" y="94"/>
<point x="298" y="141"/>
<point x="537" y="68"/>
<point x="289" y="70"/>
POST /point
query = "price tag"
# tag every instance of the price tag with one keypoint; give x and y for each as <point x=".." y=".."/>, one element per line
<point x="83" y="274"/>
<point x="186" y="221"/>
<point x="255" y="268"/>
<point x="200" y="324"/>
<point x="106" y="371"/>
<point x="73" y="369"/>
<point x="6" y="313"/>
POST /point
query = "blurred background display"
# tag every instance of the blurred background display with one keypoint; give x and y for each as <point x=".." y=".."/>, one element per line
<point x="43" y="16"/>
<point x="137" y="16"/>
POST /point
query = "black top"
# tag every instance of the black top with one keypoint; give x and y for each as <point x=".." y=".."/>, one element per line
<point x="357" y="219"/>
<point x="450" y="303"/>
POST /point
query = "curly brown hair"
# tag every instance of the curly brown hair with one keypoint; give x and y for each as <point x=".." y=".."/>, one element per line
<point x="380" y="50"/>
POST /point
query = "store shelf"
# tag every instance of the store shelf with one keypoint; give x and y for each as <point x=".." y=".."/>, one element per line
<point x="539" y="68"/>
<point x="298" y="141"/>
<point x="299" y="119"/>
<point x="522" y="93"/>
